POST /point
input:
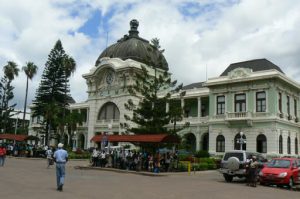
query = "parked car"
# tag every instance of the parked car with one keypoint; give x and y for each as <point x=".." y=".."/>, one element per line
<point x="234" y="163"/>
<point x="281" y="171"/>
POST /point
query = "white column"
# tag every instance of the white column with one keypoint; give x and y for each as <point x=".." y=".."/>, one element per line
<point x="91" y="122"/>
<point x="198" y="140"/>
<point x="167" y="107"/>
<point x="199" y="107"/>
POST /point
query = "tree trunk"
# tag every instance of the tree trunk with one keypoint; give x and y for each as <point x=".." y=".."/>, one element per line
<point x="25" y="104"/>
<point x="47" y="133"/>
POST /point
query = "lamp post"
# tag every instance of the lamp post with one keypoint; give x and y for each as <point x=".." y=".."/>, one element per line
<point x="74" y="141"/>
<point x="241" y="140"/>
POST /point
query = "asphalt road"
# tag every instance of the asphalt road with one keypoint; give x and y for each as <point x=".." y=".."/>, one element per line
<point x="30" y="179"/>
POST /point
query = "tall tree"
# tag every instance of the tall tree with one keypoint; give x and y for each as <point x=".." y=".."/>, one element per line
<point x="150" y="114"/>
<point x="6" y="93"/>
<point x="53" y="88"/>
<point x="30" y="70"/>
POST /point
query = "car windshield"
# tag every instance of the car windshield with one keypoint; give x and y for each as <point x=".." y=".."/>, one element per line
<point x="237" y="155"/>
<point x="279" y="163"/>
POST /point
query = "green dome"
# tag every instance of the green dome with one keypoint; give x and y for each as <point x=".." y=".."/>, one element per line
<point x="134" y="47"/>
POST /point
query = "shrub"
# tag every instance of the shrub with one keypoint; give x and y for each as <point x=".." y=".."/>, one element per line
<point x="202" y="154"/>
<point x="83" y="155"/>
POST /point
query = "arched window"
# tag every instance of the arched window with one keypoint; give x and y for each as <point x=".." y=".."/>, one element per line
<point x="296" y="145"/>
<point x="289" y="145"/>
<point x="109" y="111"/>
<point x="237" y="145"/>
<point x="220" y="143"/>
<point x="261" y="143"/>
<point x="190" y="142"/>
<point x="280" y="144"/>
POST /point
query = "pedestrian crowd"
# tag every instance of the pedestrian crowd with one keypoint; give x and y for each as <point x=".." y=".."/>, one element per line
<point x="134" y="160"/>
<point x="20" y="149"/>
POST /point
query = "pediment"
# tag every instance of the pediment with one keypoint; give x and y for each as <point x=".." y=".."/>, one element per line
<point x="239" y="73"/>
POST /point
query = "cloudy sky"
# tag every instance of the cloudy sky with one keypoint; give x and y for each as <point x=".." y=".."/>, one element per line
<point x="196" y="34"/>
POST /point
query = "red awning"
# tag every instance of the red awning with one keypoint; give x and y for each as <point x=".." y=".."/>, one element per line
<point x="13" y="137"/>
<point x="148" y="138"/>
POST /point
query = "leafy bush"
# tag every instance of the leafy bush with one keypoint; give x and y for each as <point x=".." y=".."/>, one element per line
<point x="83" y="155"/>
<point x="202" y="154"/>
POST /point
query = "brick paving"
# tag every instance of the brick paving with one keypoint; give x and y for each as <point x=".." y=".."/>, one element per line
<point x="30" y="179"/>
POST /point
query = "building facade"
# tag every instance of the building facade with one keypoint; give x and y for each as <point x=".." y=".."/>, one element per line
<point x="253" y="97"/>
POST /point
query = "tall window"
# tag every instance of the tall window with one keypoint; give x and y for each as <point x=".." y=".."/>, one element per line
<point x="280" y="102"/>
<point x="295" y="107"/>
<point x="288" y="105"/>
<point x="289" y="145"/>
<point x="280" y="144"/>
<point x="296" y="145"/>
<point x="220" y="105"/>
<point x="261" y="101"/>
<point x="240" y="103"/>
<point x="109" y="111"/>
<point x="261" y="143"/>
<point x="220" y="143"/>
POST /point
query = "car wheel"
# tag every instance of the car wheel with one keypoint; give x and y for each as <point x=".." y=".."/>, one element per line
<point x="291" y="183"/>
<point x="228" y="178"/>
<point x="262" y="183"/>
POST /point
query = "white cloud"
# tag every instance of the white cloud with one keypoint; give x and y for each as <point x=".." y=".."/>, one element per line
<point x="227" y="32"/>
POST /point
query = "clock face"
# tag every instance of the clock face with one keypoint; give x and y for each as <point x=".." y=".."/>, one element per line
<point x="109" y="77"/>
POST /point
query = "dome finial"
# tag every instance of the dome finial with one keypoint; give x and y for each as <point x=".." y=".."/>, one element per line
<point x="133" y="32"/>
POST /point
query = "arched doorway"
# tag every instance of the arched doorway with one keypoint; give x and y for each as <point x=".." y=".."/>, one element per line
<point x="190" y="142"/>
<point x="237" y="145"/>
<point x="81" y="141"/>
<point x="261" y="143"/>
<point x="205" y="140"/>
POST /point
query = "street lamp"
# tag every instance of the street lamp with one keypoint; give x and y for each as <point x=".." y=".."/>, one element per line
<point x="74" y="141"/>
<point x="241" y="140"/>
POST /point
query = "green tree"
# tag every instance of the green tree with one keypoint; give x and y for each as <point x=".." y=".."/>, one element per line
<point x="30" y="70"/>
<point x="150" y="114"/>
<point x="53" y="88"/>
<point x="6" y="94"/>
<point x="73" y="119"/>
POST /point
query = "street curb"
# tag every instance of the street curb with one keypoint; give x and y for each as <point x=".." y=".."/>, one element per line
<point x="122" y="171"/>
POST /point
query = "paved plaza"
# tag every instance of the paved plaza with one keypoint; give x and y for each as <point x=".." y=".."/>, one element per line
<point x="30" y="179"/>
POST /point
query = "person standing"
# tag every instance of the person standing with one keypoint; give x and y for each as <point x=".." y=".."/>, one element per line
<point x="2" y="155"/>
<point x="49" y="155"/>
<point x="60" y="158"/>
<point x="253" y="172"/>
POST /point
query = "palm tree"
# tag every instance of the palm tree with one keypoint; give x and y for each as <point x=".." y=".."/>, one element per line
<point x="11" y="70"/>
<point x="30" y="70"/>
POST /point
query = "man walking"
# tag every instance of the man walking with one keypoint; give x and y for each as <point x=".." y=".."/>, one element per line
<point x="60" y="158"/>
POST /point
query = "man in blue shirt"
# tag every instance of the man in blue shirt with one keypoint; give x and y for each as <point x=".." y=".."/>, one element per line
<point x="60" y="158"/>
